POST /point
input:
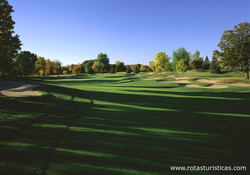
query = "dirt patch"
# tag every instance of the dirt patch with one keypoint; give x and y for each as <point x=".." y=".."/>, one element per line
<point x="170" y="76"/>
<point x="239" y="84"/>
<point x="17" y="89"/>
<point x="207" y="81"/>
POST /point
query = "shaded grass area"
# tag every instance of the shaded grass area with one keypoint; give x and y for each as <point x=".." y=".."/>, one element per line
<point x="100" y="125"/>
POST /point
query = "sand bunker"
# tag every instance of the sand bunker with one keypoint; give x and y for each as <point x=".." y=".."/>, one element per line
<point x="170" y="76"/>
<point x="240" y="84"/>
<point x="180" y="81"/>
<point x="184" y="78"/>
<point x="215" y="86"/>
<point x="17" y="89"/>
<point x="207" y="81"/>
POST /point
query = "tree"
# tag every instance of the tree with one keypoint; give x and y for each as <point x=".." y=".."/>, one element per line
<point x="152" y="66"/>
<point x="82" y="69"/>
<point x="76" y="69"/>
<point x="120" y="67"/>
<point x="181" y="66"/>
<point x="112" y="68"/>
<point x="197" y="61"/>
<point x="25" y="63"/>
<point x="71" y="67"/>
<point x="169" y="67"/>
<point x="132" y="67"/>
<point x="181" y="53"/>
<point x="88" y="66"/>
<point x="128" y="70"/>
<point x="143" y="68"/>
<point x="40" y="66"/>
<point x="56" y="67"/>
<point x="235" y="47"/>
<point x="103" y="62"/>
<point x="136" y="68"/>
<point x="48" y="67"/>
<point x="9" y="43"/>
<point x="206" y="64"/>
<point x="215" y="65"/>
<point x="65" y="69"/>
<point x="161" y="60"/>
<point x="96" y="69"/>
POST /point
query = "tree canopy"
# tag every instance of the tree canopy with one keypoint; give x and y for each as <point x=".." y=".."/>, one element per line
<point x="25" y="63"/>
<point x="102" y="63"/>
<point x="181" y="66"/>
<point x="161" y="60"/>
<point x="235" y="47"/>
<point x="9" y="42"/>
<point x="181" y="53"/>
<point x="197" y="61"/>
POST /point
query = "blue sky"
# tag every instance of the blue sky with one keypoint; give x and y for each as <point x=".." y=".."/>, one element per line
<point x="132" y="31"/>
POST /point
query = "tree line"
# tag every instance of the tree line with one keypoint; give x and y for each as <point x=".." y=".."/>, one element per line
<point x="234" y="55"/>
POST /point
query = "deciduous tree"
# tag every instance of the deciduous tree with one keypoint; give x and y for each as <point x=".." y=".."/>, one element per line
<point x="103" y="62"/>
<point x="161" y="60"/>
<point x="152" y="66"/>
<point x="181" y="66"/>
<point x="181" y="53"/>
<point x="136" y="68"/>
<point x="25" y="63"/>
<point x="235" y="47"/>
<point x="40" y="66"/>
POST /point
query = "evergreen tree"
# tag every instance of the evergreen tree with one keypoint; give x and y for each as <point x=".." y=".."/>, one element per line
<point x="9" y="42"/>
<point x="206" y="64"/>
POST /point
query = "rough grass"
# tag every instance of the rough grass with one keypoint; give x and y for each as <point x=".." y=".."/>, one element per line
<point x="107" y="124"/>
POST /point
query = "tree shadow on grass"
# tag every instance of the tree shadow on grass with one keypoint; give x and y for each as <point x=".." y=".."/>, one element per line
<point x="118" y="133"/>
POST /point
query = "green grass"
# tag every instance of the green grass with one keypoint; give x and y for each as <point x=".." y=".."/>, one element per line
<point x="108" y="124"/>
